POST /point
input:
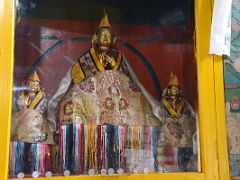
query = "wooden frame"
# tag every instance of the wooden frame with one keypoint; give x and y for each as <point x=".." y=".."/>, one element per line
<point x="214" y="161"/>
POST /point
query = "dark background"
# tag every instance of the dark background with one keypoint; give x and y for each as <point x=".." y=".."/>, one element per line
<point x="162" y="31"/>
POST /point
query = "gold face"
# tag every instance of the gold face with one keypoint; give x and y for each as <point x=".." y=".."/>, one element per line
<point x="173" y="90"/>
<point x="33" y="86"/>
<point x="104" y="38"/>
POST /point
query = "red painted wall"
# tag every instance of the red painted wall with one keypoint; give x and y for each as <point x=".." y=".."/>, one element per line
<point x="159" y="44"/>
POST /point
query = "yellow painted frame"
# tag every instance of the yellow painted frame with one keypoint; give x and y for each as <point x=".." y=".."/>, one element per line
<point x="221" y="119"/>
<point x="214" y="162"/>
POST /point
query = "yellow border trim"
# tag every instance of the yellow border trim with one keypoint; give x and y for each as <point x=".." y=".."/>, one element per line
<point x="6" y="80"/>
<point x="96" y="60"/>
<point x="206" y="88"/>
<point x="119" y="62"/>
<point x="224" y="172"/>
<point x="77" y="73"/>
<point x="36" y="100"/>
<point x="99" y="65"/>
<point x="172" y="111"/>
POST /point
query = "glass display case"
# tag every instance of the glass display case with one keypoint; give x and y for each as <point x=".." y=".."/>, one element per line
<point x="104" y="88"/>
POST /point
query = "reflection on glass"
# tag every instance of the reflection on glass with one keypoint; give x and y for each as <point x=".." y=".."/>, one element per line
<point x="106" y="112"/>
<point x="178" y="131"/>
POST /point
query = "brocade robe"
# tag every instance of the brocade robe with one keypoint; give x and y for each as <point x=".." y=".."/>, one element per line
<point x="29" y="123"/>
<point x="180" y="123"/>
<point x="92" y="93"/>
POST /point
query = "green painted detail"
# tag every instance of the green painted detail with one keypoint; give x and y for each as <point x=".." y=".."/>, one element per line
<point x="230" y="69"/>
<point x="229" y="93"/>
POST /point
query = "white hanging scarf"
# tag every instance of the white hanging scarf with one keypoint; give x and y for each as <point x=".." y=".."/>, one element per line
<point x="220" y="39"/>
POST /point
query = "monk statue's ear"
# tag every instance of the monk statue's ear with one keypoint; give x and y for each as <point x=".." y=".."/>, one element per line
<point x="94" y="39"/>
<point x="114" y="41"/>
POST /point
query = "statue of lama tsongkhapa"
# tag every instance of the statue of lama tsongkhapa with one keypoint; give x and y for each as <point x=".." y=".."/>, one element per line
<point x="101" y="88"/>
<point x="106" y="119"/>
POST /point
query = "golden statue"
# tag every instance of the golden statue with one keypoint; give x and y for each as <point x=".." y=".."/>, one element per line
<point x="178" y="131"/>
<point x="101" y="88"/>
<point x="31" y="137"/>
<point x="180" y="118"/>
<point x="29" y="123"/>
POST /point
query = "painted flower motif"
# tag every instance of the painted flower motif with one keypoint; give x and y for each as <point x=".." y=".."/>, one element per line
<point x="175" y="129"/>
<point x="133" y="86"/>
<point x="123" y="104"/>
<point x="87" y="86"/>
<point x="109" y="104"/>
<point x="113" y="91"/>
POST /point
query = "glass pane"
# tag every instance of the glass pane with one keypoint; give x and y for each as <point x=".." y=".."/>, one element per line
<point x="104" y="87"/>
<point x="232" y="93"/>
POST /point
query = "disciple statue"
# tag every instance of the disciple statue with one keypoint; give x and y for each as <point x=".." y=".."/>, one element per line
<point x="30" y="131"/>
<point x="101" y="99"/>
<point x="179" y="127"/>
<point x="29" y="123"/>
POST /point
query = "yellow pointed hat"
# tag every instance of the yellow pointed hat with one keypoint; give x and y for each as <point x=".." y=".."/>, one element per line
<point x="104" y="21"/>
<point x="34" y="77"/>
<point x="173" y="80"/>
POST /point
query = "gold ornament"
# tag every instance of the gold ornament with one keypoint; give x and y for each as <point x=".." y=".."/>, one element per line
<point x="34" y="77"/>
<point x="104" y="21"/>
<point x="173" y="80"/>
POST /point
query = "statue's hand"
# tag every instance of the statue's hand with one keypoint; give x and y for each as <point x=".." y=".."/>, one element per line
<point x="110" y="60"/>
<point x="26" y="101"/>
<point x="102" y="58"/>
